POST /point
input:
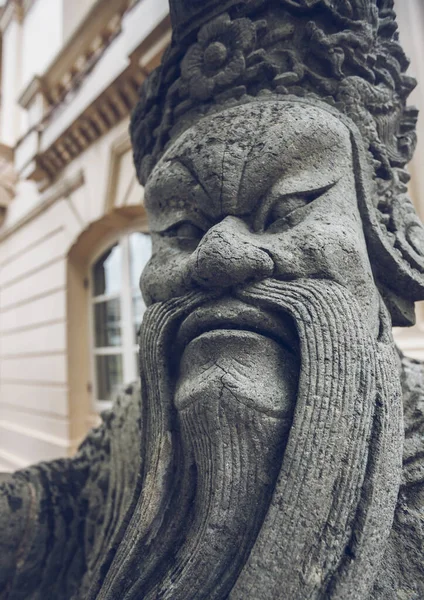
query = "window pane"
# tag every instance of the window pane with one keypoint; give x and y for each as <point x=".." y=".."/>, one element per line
<point x="140" y="253"/>
<point x="109" y="375"/>
<point x="107" y="272"/>
<point x="107" y="323"/>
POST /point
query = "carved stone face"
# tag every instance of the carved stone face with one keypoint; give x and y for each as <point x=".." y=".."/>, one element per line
<point x="261" y="190"/>
<point x="267" y="335"/>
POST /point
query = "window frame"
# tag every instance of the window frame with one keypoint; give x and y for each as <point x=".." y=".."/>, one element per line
<point x="127" y="349"/>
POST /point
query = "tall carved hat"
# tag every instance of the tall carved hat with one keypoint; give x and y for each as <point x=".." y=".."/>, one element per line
<point x="341" y="54"/>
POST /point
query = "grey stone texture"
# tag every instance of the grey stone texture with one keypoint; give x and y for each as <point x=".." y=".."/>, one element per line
<point x="274" y="448"/>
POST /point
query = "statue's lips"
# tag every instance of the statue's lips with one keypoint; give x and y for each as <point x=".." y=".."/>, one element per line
<point x="233" y="314"/>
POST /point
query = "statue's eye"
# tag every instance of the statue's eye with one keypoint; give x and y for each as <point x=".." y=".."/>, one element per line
<point x="187" y="230"/>
<point x="279" y="216"/>
<point x="285" y="210"/>
<point x="284" y="207"/>
<point x="186" y="234"/>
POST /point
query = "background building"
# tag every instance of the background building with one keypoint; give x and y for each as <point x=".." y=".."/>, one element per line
<point x="73" y="232"/>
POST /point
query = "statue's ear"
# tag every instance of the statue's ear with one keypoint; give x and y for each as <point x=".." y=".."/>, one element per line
<point x="394" y="235"/>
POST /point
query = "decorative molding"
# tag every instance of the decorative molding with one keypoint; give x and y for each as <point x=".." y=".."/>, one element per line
<point x="54" y="90"/>
<point x="119" y="147"/>
<point x="8" y="179"/>
<point x="35" y="86"/>
<point x="12" y="10"/>
<point x="110" y="107"/>
<point x="83" y="49"/>
<point x="78" y="56"/>
<point x="61" y="190"/>
<point x="104" y="231"/>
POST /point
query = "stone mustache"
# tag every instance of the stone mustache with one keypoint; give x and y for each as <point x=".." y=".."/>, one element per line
<point x="275" y="447"/>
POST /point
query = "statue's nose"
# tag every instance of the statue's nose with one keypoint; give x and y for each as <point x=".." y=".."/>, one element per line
<point x="226" y="256"/>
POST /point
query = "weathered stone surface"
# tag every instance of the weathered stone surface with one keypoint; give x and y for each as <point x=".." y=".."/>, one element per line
<point x="58" y="520"/>
<point x="275" y="448"/>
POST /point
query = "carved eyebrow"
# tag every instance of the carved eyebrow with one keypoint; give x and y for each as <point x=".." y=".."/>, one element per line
<point x="313" y="194"/>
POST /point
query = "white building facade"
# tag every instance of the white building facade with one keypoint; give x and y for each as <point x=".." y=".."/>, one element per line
<point x="73" y="233"/>
<point x="74" y="238"/>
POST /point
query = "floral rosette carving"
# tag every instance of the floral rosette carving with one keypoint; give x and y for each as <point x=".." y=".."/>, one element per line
<point x="218" y="59"/>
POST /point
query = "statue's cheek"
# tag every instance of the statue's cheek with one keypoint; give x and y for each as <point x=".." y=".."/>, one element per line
<point x="165" y="276"/>
<point x="311" y="250"/>
<point x="331" y="252"/>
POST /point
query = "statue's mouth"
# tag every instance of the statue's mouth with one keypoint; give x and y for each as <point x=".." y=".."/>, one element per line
<point x="233" y="314"/>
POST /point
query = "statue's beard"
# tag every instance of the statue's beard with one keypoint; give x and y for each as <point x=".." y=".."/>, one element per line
<point x="227" y="506"/>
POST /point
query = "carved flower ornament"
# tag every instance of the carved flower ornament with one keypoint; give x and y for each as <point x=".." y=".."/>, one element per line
<point x="219" y="57"/>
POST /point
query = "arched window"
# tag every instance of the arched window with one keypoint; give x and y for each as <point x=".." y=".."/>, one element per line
<point x="117" y="309"/>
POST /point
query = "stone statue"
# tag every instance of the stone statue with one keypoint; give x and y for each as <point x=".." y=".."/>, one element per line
<point x="276" y="447"/>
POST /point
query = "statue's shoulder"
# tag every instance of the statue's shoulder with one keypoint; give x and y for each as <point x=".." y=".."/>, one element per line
<point x="111" y="451"/>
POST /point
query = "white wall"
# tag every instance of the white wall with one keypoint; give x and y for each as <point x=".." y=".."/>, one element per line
<point x="74" y="12"/>
<point x="42" y="32"/>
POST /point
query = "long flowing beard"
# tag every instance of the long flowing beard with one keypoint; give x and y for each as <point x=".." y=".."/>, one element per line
<point x="140" y="546"/>
<point x="323" y="532"/>
<point x="235" y="449"/>
<point x="332" y="510"/>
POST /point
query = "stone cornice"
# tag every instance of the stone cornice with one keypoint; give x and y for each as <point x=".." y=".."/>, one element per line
<point x="109" y="108"/>
<point x="35" y="86"/>
<point x="72" y="65"/>
<point x="83" y="48"/>
<point x="79" y="54"/>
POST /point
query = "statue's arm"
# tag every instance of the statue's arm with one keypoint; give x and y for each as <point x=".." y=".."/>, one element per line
<point x="55" y="516"/>
<point x="16" y="504"/>
<point x="45" y="514"/>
